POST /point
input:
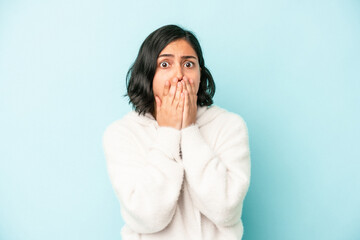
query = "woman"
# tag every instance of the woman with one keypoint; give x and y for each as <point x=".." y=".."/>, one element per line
<point x="179" y="165"/>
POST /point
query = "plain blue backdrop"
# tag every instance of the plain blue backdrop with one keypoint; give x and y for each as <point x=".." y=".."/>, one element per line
<point x="289" y="68"/>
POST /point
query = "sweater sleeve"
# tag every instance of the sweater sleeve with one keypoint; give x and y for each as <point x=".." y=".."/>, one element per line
<point x="218" y="178"/>
<point x="147" y="186"/>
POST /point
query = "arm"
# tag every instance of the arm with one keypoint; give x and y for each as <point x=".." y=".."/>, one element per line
<point x="146" y="186"/>
<point x="218" y="178"/>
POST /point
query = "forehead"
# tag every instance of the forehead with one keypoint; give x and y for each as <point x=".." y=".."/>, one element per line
<point x="179" y="47"/>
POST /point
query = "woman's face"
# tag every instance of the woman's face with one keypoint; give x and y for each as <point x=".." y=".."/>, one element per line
<point x="176" y="60"/>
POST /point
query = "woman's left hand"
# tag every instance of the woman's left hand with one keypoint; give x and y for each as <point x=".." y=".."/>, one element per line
<point x="190" y="105"/>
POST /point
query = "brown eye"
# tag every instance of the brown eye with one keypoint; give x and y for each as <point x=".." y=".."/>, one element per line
<point x="164" y="64"/>
<point x="189" y="64"/>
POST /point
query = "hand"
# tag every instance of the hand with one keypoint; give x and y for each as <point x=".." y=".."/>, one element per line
<point x="190" y="104"/>
<point x="169" y="110"/>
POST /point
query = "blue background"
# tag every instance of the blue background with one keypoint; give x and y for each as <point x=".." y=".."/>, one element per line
<point x="289" y="68"/>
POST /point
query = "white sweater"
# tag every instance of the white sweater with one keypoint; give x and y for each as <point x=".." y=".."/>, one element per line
<point x="164" y="195"/>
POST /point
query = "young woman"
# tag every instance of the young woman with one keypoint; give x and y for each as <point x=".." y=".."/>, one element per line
<point x="180" y="166"/>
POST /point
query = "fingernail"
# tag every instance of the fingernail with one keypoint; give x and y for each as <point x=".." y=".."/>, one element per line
<point x="179" y="84"/>
<point x="175" y="80"/>
<point x="166" y="83"/>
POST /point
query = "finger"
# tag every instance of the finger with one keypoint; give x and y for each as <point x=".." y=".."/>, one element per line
<point x="192" y="84"/>
<point x="171" y="94"/>
<point x="173" y="84"/>
<point x="166" y="91"/>
<point x="188" y="89"/>
<point x="186" y="102"/>
<point x="178" y="94"/>
<point x="158" y="104"/>
<point x="182" y="102"/>
<point x="187" y="84"/>
<point x="166" y="88"/>
<point x="183" y="85"/>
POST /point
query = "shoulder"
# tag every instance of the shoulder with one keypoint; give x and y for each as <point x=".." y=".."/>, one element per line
<point x="226" y="129"/>
<point x="121" y="128"/>
<point x="225" y="118"/>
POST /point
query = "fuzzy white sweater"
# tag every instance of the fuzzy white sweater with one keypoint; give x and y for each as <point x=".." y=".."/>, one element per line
<point x="184" y="184"/>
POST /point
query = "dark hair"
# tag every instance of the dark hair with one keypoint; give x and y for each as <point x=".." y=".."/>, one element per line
<point x="139" y="78"/>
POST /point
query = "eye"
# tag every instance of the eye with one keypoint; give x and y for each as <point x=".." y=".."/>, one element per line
<point x="189" y="64"/>
<point x="164" y="64"/>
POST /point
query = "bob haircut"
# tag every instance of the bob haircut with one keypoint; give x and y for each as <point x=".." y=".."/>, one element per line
<point x="139" y="78"/>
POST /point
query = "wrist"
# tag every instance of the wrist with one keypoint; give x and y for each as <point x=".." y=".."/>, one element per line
<point x="188" y="125"/>
<point x="175" y="126"/>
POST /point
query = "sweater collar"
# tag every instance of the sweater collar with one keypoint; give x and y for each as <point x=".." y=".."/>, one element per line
<point x="204" y="115"/>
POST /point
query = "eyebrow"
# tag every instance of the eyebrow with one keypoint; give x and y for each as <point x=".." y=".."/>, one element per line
<point x="171" y="55"/>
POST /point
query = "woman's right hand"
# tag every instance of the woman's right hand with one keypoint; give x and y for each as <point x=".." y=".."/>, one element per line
<point x="169" y="110"/>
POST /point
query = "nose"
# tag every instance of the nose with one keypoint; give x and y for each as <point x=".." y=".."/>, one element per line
<point x="179" y="72"/>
